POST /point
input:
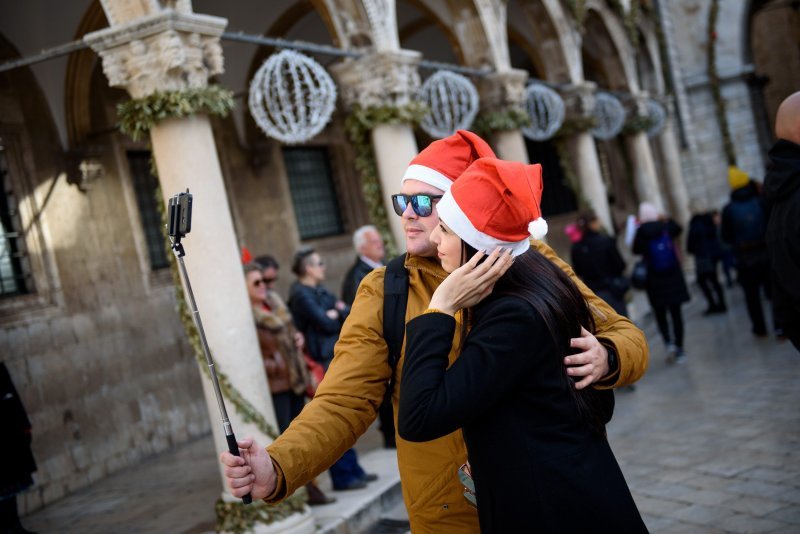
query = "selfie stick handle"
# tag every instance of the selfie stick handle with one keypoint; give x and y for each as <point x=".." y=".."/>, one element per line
<point x="233" y="447"/>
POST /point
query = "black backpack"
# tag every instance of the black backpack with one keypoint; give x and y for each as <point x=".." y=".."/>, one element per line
<point x="395" y="301"/>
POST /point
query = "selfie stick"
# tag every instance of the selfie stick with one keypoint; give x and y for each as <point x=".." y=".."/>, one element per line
<point x="177" y="248"/>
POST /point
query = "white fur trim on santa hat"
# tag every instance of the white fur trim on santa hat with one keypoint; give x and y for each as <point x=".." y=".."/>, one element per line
<point x="427" y="175"/>
<point x="538" y="228"/>
<point x="452" y="215"/>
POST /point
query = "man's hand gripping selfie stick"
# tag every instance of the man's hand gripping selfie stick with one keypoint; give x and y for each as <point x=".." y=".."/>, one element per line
<point x="179" y="223"/>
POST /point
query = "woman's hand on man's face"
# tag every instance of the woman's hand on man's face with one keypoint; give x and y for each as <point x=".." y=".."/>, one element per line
<point x="472" y="282"/>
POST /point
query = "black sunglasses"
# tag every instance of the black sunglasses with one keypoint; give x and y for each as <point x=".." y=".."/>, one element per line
<point x="421" y="204"/>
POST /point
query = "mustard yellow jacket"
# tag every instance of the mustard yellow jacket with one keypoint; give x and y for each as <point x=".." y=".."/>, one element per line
<point x="347" y="401"/>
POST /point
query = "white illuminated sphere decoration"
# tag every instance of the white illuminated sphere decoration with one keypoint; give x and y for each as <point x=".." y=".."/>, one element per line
<point x="610" y="115"/>
<point x="658" y="115"/>
<point x="546" y="110"/>
<point x="453" y="103"/>
<point x="292" y="97"/>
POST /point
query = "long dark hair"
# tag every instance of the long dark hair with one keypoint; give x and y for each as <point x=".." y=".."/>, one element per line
<point x="560" y="303"/>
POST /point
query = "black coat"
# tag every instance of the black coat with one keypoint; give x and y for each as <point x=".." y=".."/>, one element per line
<point x="596" y="260"/>
<point x="751" y="251"/>
<point x="308" y="306"/>
<point x="536" y="464"/>
<point x="703" y="242"/>
<point x="15" y="446"/>
<point x="782" y="194"/>
<point x="353" y="278"/>
<point x="663" y="288"/>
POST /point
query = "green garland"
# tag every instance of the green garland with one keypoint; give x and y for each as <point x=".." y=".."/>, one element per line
<point x="638" y="123"/>
<point x="630" y="19"/>
<point x="713" y="79"/>
<point x="575" y="126"/>
<point x="511" y="118"/>
<point x="359" y="124"/>
<point x="238" y="518"/>
<point x="138" y="115"/>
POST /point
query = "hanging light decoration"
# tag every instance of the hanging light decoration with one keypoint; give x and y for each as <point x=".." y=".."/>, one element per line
<point x="610" y="115"/>
<point x="292" y="97"/>
<point x="657" y="115"/>
<point x="546" y="110"/>
<point x="453" y="103"/>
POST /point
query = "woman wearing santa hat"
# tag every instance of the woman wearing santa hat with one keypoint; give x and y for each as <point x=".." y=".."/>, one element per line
<point x="537" y="447"/>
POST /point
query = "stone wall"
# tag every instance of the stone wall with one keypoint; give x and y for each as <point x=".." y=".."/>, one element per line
<point x="704" y="163"/>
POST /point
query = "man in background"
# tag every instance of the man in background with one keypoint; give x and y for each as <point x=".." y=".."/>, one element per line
<point x="782" y="193"/>
<point x="368" y="243"/>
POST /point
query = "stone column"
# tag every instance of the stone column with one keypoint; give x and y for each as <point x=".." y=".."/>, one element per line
<point x="637" y="145"/>
<point x="385" y="79"/>
<point x="150" y="49"/>
<point x="579" y="100"/>
<point x="675" y="186"/>
<point x="500" y="92"/>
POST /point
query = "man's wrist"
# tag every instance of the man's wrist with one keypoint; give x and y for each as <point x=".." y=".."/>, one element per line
<point x="613" y="361"/>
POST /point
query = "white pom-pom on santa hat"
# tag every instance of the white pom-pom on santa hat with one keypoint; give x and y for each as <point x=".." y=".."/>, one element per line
<point x="538" y="228"/>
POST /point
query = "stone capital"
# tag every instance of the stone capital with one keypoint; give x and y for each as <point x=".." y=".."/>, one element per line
<point x="168" y="51"/>
<point x="579" y="100"/>
<point x="503" y="90"/>
<point x="379" y="78"/>
<point x="635" y="105"/>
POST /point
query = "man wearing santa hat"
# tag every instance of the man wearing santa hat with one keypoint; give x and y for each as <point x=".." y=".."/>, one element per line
<point x="347" y="401"/>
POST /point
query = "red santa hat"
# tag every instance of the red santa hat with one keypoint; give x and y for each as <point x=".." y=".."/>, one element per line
<point x="496" y="203"/>
<point x="445" y="159"/>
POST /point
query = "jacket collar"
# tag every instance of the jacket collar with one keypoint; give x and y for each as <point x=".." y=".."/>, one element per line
<point x="428" y="265"/>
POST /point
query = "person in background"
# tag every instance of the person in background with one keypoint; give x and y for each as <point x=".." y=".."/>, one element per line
<point x="368" y="243"/>
<point x="598" y="263"/>
<point x="280" y="352"/>
<point x="319" y="315"/>
<point x="15" y="447"/>
<point x="727" y="258"/>
<point x="782" y="193"/>
<point x="703" y="243"/>
<point x="665" y="286"/>
<point x="744" y="227"/>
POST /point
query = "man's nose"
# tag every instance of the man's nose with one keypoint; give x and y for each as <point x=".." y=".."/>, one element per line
<point x="409" y="212"/>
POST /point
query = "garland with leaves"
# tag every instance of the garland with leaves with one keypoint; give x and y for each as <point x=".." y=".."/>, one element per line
<point x="713" y="80"/>
<point x="638" y="123"/>
<point x="510" y="118"/>
<point x="359" y="124"/>
<point x="238" y="518"/>
<point x="138" y="115"/>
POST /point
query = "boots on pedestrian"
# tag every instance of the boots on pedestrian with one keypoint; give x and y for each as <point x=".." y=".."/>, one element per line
<point x="316" y="496"/>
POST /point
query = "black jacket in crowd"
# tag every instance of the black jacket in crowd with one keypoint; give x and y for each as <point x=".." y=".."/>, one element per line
<point x="308" y="306"/>
<point x="782" y="194"/>
<point x="752" y="253"/>
<point x="596" y="259"/>
<point x="703" y="242"/>
<point x="353" y="278"/>
<point x="663" y="288"/>
<point x="536" y="463"/>
<point x="15" y="446"/>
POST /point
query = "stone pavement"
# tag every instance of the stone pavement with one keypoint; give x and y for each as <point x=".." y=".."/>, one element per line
<point x="711" y="445"/>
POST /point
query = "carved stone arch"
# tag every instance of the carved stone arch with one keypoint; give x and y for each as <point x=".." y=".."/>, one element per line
<point x="607" y="49"/>
<point x="649" y="56"/>
<point x="77" y="84"/>
<point x="549" y="41"/>
<point x="478" y="26"/>
<point x="432" y="18"/>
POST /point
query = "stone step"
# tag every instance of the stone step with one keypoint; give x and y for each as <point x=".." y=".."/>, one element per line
<point x="358" y="511"/>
